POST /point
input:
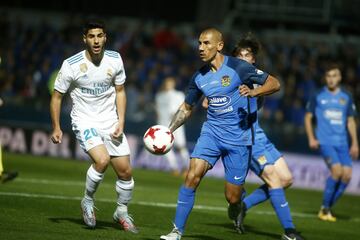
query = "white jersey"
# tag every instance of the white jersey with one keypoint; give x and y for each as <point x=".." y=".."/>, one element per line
<point x="167" y="103"/>
<point x="92" y="88"/>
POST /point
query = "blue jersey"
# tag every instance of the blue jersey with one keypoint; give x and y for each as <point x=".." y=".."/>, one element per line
<point x="227" y="114"/>
<point x="331" y="111"/>
<point x="254" y="107"/>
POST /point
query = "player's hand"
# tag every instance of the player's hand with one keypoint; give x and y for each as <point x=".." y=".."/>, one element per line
<point x="245" y="91"/>
<point x="314" y="144"/>
<point x="117" y="135"/>
<point x="354" y="151"/>
<point x="56" y="136"/>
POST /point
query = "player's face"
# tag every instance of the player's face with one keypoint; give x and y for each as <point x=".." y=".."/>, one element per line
<point x="95" y="40"/>
<point x="246" y="55"/>
<point x="209" y="46"/>
<point x="333" y="78"/>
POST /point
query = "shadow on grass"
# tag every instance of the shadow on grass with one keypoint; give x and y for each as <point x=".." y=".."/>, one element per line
<point x="78" y="221"/>
<point x="248" y="229"/>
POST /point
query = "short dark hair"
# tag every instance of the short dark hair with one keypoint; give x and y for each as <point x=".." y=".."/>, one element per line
<point x="247" y="41"/>
<point x="93" y="23"/>
<point x="331" y="66"/>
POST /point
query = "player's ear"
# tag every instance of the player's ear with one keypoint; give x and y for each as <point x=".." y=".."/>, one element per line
<point x="220" y="46"/>
<point x="84" y="38"/>
<point x="105" y="38"/>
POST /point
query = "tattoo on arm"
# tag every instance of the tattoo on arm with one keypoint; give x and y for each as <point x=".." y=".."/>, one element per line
<point x="178" y="119"/>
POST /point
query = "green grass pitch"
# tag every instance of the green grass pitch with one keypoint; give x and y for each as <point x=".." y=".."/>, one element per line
<point x="44" y="203"/>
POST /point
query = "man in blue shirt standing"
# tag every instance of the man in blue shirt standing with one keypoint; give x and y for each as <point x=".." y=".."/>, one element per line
<point x="227" y="133"/>
<point x="334" y="111"/>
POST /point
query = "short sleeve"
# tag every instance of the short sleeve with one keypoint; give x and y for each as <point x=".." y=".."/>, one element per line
<point x="311" y="104"/>
<point x="193" y="94"/>
<point x="63" y="78"/>
<point x="351" y="108"/>
<point x="120" y="74"/>
<point x="249" y="74"/>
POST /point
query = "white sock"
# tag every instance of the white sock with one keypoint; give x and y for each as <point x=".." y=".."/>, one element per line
<point x="93" y="179"/>
<point x="124" y="190"/>
<point x="170" y="156"/>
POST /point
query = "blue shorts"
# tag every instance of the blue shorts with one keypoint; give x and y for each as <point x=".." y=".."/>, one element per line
<point x="336" y="155"/>
<point x="235" y="158"/>
<point x="263" y="153"/>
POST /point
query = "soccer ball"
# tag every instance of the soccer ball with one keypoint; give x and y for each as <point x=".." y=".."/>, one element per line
<point x="158" y="139"/>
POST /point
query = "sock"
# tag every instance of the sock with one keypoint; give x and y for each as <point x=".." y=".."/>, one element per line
<point x="329" y="192"/>
<point x="234" y="210"/>
<point x="281" y="207"/>
<point x="184" y="206"/>
<point x="170" y="156"/>
<point x="93" y="179"/>
<point x="339" y="192"/>
<point x="260" y="195"/>
<point x="124" y="190"/>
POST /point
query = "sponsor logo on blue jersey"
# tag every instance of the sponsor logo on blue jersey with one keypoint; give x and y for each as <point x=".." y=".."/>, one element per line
<point x="219" y="101"/>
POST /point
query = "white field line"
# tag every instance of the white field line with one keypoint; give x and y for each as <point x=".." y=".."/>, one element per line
<point x="143" y="203"/>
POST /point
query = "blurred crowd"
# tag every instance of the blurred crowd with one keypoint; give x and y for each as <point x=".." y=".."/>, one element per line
<point x="32" y="55"/>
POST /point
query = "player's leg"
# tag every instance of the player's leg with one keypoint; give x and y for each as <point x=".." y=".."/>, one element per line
<point x="283" y="172"/>
<point x="91" y="142"/>
<point x="236" y="164"/>
<point x="260" y="160"/>
<point x="124" y="185"/>
<point x="186" y="198"/>
<point x="204" y="156"/>
<point x="333" y="162"/>
<point x="124" y="188"/>
<point x="278" y="201"/>
<point x="346" y="164"/>
<point x="5" y="176"/>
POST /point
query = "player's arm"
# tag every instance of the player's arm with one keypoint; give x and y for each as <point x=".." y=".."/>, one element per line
<point x="270" y="86"/>
<point x="182" y="114"/>
<point x="193" y="95"/>
<point x="313" y="142"/>
<point x="308" y="121"/>
<point x="120" y="102"/>
<point x="55" y="108"/>
<point x="354" y="149"/>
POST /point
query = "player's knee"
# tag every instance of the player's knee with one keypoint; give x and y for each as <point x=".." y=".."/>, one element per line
<point x="287" y="181"/>
<point x="232" y="196"/>
<point x="336" y="172"/>
<point x="271" y="177"/>
<point x="192" y="179"/>
<point x="346" y="177"/>
<point x="103" y="162"/>
<point x="126" y="174"/>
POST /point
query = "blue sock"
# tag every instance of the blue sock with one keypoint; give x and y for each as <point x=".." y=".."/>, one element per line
<point x="281" y="207"/>
<point x="338" y="193"/>
<point x="260" y="195"/>
<point x="184" y="206"/>
<point x="329" y="192"/>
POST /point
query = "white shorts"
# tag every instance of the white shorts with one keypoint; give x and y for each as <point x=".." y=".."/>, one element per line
<point x="91" y="135"/>
<point x="179" y="137"/>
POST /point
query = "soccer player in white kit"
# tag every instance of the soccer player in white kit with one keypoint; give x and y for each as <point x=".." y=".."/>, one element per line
<point x="95" y="80"/>
<point x="167" y="102"/>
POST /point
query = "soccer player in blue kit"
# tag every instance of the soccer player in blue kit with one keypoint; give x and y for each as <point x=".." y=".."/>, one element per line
<point x="334" y="111"/>
<point x="227" y="132"/>
<point x="266" y="161"/>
